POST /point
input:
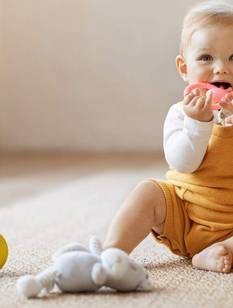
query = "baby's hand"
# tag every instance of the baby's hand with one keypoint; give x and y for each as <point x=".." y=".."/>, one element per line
<point x="197" y="105"/>
<point x="227" y="103"/>
<point x="229" y="121"/>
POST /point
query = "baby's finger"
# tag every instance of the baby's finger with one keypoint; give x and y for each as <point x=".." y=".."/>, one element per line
<point x="188" y="98"/>
<point x="201" y="102"/>
<point x="227" y="105"/>
<point x="228" y="97"/>
<point x="229" y="120"/>
<point x="208" y="99"/>
<point x="202" y="92"/>
<point x="194" y="101"/>
<point x="196" y="92"/>
<point x="223" y="104"/>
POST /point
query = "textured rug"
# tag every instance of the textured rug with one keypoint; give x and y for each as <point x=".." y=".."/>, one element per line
<point x="36" y="227"/>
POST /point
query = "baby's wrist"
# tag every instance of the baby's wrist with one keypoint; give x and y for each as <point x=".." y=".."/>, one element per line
<point x="199" y="118"/>
<point x="208" y="119"/>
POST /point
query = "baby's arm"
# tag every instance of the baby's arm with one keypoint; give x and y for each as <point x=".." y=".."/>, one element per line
<point x="185" y="140"/>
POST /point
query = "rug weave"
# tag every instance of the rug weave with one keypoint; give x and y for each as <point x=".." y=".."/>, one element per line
<point x="36" y="227"/>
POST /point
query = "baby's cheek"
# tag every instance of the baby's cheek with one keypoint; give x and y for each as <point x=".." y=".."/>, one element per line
<point x="198" y="73"/>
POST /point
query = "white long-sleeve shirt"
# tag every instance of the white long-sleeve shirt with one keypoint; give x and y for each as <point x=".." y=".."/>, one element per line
<point x="185" y="140"/>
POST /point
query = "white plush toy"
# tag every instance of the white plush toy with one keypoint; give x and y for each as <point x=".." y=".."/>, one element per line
<point x="77" y="269"/>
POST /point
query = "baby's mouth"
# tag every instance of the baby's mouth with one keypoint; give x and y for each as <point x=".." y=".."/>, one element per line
<point x="223" y="85"/>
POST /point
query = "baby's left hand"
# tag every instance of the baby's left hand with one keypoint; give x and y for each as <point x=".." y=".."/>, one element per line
<point x="227" y="102"/>
<point x="229" y="121"/>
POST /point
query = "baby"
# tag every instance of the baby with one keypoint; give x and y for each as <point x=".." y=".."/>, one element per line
<point x="192" y="211"/>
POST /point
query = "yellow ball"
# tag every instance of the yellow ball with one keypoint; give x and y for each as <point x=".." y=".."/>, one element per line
<point x="3" y="251"/>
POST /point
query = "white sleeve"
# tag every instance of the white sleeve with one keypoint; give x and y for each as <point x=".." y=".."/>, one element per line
<point x="185" y="140"/>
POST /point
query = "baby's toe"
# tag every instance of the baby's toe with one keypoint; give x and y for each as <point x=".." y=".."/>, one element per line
<point x="220" y="265"/>
<point x="227" y="259"/>
<point x="227" y="262"/>
<point x="226" y="269"/>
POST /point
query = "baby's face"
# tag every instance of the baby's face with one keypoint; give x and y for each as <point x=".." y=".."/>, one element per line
<point x="209" y="56"/>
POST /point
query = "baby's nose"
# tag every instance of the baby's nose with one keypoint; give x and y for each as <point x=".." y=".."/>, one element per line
<point x="221" y="68"/>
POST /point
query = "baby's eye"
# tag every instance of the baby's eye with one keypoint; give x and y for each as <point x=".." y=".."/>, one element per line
<point x="205" y="58"/>
<point x="231" y="58"/>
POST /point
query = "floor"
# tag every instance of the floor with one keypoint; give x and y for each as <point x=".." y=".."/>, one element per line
<point x="49" y="200"/>
<point x="25" y="174"/>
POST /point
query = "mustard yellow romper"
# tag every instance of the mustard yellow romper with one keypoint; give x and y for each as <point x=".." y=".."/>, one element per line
<point x="200" y="204"/>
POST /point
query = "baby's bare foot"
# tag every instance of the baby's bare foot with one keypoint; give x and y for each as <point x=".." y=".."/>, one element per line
<point x="217" y="258"/>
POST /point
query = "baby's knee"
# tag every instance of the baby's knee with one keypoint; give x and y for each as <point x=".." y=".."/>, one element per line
<point x="150" y="187"/>
<point x="153" y="196"/>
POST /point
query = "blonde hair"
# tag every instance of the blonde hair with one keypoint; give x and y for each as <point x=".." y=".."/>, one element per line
<point x="205" y="14"/>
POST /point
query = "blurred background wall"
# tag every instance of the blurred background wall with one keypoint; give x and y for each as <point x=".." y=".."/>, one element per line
<point x="89" y="76"/>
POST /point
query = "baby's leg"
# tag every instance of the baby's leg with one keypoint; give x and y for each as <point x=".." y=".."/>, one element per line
<point x="217" y="257"/>
<point x="144" y="209"/>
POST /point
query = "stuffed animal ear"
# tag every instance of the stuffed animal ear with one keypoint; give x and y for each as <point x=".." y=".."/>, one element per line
<point x="95" y="245"/>
<point x="75" y="246"/>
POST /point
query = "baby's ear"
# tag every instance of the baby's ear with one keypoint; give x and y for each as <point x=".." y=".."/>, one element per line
<point x="181" y="67"/>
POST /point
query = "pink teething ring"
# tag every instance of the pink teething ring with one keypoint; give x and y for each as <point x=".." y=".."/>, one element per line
<point x="218" y="93"/>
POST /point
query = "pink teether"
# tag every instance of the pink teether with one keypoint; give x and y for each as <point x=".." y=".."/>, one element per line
<point x="218" y="93"/>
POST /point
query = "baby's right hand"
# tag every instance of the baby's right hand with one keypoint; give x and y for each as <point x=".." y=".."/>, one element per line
<point x="197" y="105"/>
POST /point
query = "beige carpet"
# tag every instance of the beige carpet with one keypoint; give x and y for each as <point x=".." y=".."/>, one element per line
<point x="35" y="228"/>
